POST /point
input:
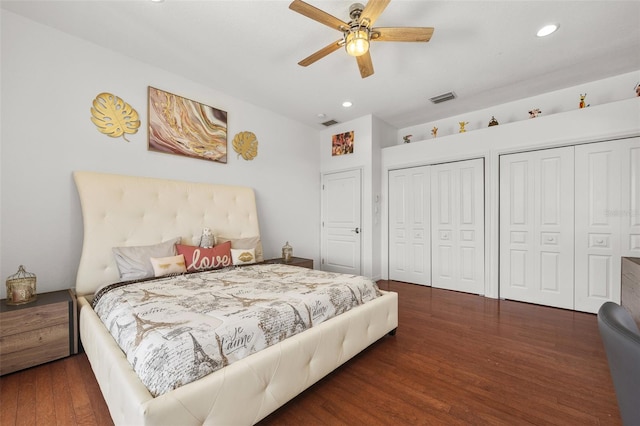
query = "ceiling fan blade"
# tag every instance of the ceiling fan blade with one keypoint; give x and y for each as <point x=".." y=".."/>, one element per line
<point x="365" y="65"/>
<point x="321" y="53"/>
<point x="402" y="34"/>
<point x="372" y="10"/>
<point x="318" y="15"/>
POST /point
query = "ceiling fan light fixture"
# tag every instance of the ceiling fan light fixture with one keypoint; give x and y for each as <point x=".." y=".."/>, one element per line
<point x="357" y="41"/>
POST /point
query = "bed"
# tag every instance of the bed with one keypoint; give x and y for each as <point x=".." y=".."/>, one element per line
<point x="129" y="211"/>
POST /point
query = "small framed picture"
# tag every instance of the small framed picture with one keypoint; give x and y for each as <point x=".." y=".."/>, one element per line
<point x="342" y="143"/>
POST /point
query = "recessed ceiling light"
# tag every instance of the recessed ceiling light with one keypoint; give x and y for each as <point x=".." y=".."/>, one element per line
<point x="547" y="29"/>
<point x="321" y="115"/>
<point x="347" y="104"/>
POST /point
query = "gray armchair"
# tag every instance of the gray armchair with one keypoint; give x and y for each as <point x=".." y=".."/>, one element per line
<point x="621" y="339"/>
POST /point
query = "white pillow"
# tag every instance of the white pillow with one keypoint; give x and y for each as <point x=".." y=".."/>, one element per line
<point x="134" y="262"/>
<point x="243" y="256"/>
<point x="168" y="265"/>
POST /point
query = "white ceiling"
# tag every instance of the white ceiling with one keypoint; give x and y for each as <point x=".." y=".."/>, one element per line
<point x="485" y="51"/>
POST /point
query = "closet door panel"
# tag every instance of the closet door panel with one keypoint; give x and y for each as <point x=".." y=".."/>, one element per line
<point x="409" y="225"/>
<point x="536" y="227"/>
<point x="442" y="227"/>
<point x="597" y="244"/>
<point x="471" y="226"/>
<point x="517" y="270"/>
<point x="420" y="223"/>
<point x="554" y="220"/>
<point x="517" y="249"/>
<point x="458" y="226"/>
<point x="398" y="226"/>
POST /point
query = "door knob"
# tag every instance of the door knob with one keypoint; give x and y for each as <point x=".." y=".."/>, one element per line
<point x="357" y="230"/>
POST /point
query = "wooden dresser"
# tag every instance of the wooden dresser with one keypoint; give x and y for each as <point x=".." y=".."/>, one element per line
<point x="37" y="332"/>
<point x="630" y="293"/>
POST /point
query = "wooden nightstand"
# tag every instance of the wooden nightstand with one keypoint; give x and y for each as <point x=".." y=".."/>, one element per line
<point x="295" y="261"/>
<point x="37" y="332"/>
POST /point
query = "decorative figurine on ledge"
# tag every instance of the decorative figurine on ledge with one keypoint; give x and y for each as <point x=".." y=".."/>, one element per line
<point x="534" y="113"/>
<point x="493" y="121"/>
<point x="434" y="132"/>
<point x="407" y="138"/>
<point x="582" y="102"/>
<point x="462" y="124"/>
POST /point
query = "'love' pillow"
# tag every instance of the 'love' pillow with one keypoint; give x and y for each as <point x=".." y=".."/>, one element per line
<point x="202" y="259"/>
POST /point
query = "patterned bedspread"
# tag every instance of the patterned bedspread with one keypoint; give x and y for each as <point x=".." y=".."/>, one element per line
<point x="178" y="329"/>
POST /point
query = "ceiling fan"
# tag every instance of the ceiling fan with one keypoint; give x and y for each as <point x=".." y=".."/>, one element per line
<point x="358" y="32"/>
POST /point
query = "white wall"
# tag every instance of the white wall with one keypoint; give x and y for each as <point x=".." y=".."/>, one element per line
<point x="360" y="159"/>
<point x="383" y="136"/>
<point x="599" y="92"/>
<point x="370" y="135"/>
<point x="49" y="80"/>
<point x="614" y="120"/>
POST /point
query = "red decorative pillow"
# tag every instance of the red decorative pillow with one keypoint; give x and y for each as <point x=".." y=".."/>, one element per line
<point x="202" y="259"/>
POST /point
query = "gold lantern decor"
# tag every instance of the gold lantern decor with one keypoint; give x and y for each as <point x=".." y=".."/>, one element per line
<point x="287" y="252"/>
<point x="21" y="287"/>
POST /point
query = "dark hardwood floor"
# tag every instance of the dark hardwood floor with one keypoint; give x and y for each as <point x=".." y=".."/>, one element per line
<point x="456" y="359"/>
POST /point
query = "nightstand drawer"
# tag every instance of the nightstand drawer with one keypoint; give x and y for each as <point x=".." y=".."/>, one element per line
<point x="21" y="321"/>
<point x="34" y="339"/>
<point x="35" y="347"/>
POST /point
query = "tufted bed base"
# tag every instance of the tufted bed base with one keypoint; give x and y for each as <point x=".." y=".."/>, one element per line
<point x="246" y="391"/>
<point x="122" y="210"/>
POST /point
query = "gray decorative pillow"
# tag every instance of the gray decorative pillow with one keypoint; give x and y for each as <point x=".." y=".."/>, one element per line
<point x="135" y="262"/>
<point x="244" y="243"/>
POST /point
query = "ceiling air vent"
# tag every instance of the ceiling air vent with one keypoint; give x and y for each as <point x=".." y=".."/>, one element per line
<point x="329" y="123"/>
<point x="443" y="98"/>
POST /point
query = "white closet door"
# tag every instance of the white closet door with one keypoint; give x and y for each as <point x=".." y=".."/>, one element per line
<point x="630" y="203"/>
<point x="597" y="224"/>
<point x="607" y="219"/>
<point x="536" y="227"/>
<point x="457" y="226"/>
<point x="409" y="225"/>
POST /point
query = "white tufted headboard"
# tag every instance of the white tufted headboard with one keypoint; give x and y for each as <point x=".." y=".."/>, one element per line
<point x="131" y="211"/>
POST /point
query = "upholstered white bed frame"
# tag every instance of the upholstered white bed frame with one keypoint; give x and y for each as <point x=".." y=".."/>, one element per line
<point x="122" y="210"/>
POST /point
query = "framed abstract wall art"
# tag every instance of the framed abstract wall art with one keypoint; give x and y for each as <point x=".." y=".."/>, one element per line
<point x="181" y="126"/>
<point x="342" y="143"/>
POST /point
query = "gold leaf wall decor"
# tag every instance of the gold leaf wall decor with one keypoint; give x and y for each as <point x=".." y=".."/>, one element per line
<point x="113" y="116"/>
<point x="246" y="144"/>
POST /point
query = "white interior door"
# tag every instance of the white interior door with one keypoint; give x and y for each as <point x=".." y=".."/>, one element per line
<point x="410" y="225"/>
<point x="341" y="215"/>
<point x="457" y="226"/>
<point x="537" y="227"/>
<point x="597" y="245"/>
<point x="630" y="202"/>
<point x="607" y="219"/>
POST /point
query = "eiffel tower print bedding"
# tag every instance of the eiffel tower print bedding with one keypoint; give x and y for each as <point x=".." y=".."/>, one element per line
<point x="175" y="330"/>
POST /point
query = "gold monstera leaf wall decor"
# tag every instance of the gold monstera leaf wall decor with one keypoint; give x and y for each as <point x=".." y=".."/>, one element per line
<point x="246" y="145"/>
<point x="113" y="116"/>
